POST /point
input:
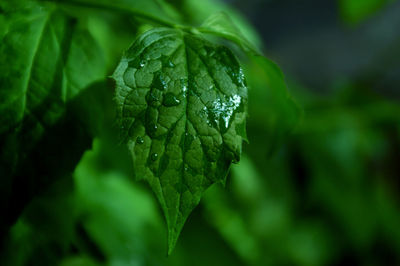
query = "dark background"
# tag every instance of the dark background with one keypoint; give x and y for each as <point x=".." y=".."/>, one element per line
<point x="314" y="44"/>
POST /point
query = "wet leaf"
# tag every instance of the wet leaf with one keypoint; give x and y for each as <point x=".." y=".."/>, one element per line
<point x="182" y="107"/>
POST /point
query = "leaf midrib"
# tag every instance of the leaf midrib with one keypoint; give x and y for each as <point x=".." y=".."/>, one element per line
<point x="30" y="68"/>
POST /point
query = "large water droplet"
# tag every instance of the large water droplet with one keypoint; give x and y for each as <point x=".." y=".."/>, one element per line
<point x="224" y="109"/>
<point x="154" y="157"/>
<point x="139" y="140"/>
<point x="170" y="100"/>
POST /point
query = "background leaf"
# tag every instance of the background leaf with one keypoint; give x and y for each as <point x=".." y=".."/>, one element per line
<point x="43" y="54"/>
<point x="356" y="11"/>
<point x="220" y="24"/>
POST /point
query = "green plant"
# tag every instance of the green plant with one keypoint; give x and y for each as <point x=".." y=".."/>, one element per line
<point x="180" y="93"/>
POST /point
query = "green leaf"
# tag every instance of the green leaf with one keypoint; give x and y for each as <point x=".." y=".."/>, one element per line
<point x="356" y="11"/>
<point x="196" y="12"/>
<point x="182" y="105"/>
<point x="272" y="110"/>
<point x="46" y="60"/>
<point x="42" y="57"/>
<point x="157" y="11"/>
<point x="220" y="24"/>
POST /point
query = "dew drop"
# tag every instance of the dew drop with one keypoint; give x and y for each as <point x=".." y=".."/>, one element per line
<point x="151" y="129"/>
<point x="184" y="86"/>
<point x="170" y="63"/>
<point x="154" y="157"/>
<point x="170" y="100"/>
<point x="142" y="63"/>
<point x="139" y="140"/>
<point x="224" y="109"/>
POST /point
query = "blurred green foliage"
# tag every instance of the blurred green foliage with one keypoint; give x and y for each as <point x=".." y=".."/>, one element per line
<point x="355" y="11"/>
<point x="314" y="188"/>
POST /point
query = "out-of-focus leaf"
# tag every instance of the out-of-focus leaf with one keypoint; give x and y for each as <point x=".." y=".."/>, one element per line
<point x="158" y="10"/>
<point x="120" y="218"/>
<point x="259" y="223"/>
<point x="46" y="223"/>
<point x="43" y="54"/>
<point x="78" y="261"/>
<point x="181" y="101"/>
<point x="347" y="144"/>
<point x="356" y="11"/>
<point x="272" y="110"/>
<point x="196" y="12"/>
<point x="227" y="220"/>
<point x="220" y="24"/>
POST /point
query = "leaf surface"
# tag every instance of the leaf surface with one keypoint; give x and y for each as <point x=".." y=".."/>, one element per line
<point x="43" y="54"/>
<point x="47" y="59"/>
<point x="272" y="108"/>
<point x="182" y="105"/>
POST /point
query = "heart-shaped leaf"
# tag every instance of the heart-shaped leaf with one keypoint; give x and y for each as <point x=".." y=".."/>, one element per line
<point x="182" y="107"/>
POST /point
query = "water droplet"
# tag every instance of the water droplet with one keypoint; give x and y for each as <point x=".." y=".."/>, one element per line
<point x="139" y="140"/>
<point x="184" y="86"/>
<point x="154" y="157"/>
<point x="240" y="80"/>
<point x="151" y="129"/>
<point x="170" y="63"/>
<point x="170" y="100"/>
<point x="142" y="63"/>
<point x="224" y="109"/>
<point x="159" y="82"/>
